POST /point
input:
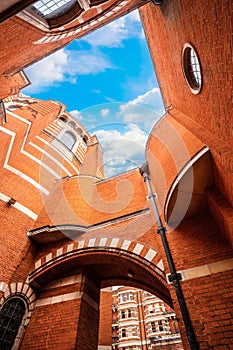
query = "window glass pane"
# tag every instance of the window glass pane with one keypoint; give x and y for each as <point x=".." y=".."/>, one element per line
<point x="68" y="139"/>
<point x="47" y="7"/>
<point x="11" y="316"/>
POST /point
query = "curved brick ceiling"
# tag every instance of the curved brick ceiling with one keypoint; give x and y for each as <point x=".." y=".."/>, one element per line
<point x="77" y="18"/>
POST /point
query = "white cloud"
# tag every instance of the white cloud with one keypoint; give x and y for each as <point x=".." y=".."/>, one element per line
<point x="76" y="114"/>
<point x="65" y="65"/>
<point x="123" y="150"/>
<point x="104" y="112"/>
<point x="47" y="71"/>
<point x="145" y="109"/>
<point x="113" y="34"/>
<point x="87" y="62"/>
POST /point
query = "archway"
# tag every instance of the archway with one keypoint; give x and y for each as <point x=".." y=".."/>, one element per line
<point x="70" y="279"/>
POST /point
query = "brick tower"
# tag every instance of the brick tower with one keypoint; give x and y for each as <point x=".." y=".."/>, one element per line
<point x="66" y="231"/>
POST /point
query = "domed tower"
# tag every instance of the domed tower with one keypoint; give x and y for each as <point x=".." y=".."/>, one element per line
<point x="41" y="144"/>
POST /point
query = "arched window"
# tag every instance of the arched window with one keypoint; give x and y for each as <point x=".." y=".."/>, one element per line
<point x="68" y="139"/>
<point x="11" y="316"/>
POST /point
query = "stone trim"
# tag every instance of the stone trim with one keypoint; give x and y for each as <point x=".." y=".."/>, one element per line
<point x="67" y="297"/>
<point x="58" y="299"/>
<point x="19" y="207"/>
<point x="206" y="270"/>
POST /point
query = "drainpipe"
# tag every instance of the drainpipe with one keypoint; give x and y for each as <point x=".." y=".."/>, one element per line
<point x="174" y="277"/>
<point x="3" y="111"/>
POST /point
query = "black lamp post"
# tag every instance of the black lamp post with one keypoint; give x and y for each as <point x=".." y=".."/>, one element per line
<point x="174" y="277"/>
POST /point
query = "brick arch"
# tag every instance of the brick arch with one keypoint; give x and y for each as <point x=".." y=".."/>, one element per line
<point x="23" y="290"/>
<point x="139" y="255"/>
<point x="139" y="250"/>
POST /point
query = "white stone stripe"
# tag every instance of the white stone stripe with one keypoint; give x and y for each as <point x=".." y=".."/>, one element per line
<point x="150" y="254"/>
<point x="125" y="244"/>
<point x="19" y="207"/>
<point x="48" y="257"/>
<point x="103" y="242"/>
<point x="70" y="247"/>
<point x="58" y="299"/>
<point x="54" y="148"/>
<point x="40" y="41"/>
<point x="91" y="242"/>
<point x="43" y="165"/>
<point x="28" y="179"/>
<point x="80" y="244"/>
<point x="59" y="252"/>
<point x="206" y="270"/>
<point x="37" y="264"/>
<point x="160" y="265"/>
<point x="91" y="302"/>
<point x="16" y="171"/>
<point x="114" y="242"/>
<point x="138" y="248"/>
<point x="3" y="286"/>
<point x="54" y="128"/>
<point x="50" y="157"/>
<point x="64" y="282"/>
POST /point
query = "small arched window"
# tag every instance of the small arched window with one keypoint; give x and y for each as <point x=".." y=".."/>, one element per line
<point x="11" y="316"/>
<point x="68" y="139"/>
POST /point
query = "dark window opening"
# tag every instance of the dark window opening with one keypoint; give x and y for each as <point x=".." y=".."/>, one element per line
<point x="11" y="316"/>
<point x="160" y="323"/>
<point x="153" y="327"/>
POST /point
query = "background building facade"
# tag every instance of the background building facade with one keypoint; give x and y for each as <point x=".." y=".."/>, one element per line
<point x="143" y="321"/>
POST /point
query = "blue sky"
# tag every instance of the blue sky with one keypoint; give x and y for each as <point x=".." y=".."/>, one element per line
<point x="107" y="82"/>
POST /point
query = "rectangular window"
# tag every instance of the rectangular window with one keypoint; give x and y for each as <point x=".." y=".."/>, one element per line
<point x="153" y="327"/>
<point x="127" y="296"/>
<point x="122" y="297"/>
<point x="130" y="331"/>
<point x="157" y="308"/>
<point x="160" y="323"/>
<point x="129" y="313"/>
<point x="150" y="309"/>
<point x="122" y="314"/>
<point x="123" y="332"/>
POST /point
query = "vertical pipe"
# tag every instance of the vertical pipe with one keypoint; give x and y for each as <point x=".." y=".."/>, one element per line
<point x="174" y="276"/>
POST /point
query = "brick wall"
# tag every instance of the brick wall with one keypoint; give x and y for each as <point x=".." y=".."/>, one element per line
<point x="68" y="306"/>
<point x="105" y="321"/>
<point x="208" y="27"/>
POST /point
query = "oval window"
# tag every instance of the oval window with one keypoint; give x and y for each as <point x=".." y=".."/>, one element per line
<point x="191" y="68"/>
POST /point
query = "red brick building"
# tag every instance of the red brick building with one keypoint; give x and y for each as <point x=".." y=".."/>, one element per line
<point x="66" y="232"/>
<point x="143" y="321"/>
